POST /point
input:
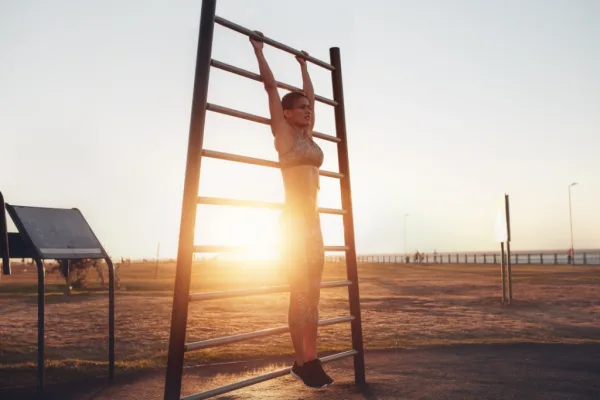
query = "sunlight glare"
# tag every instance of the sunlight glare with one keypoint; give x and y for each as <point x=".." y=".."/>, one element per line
<point x="254" y="232"/>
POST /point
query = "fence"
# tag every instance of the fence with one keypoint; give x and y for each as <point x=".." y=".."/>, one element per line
<point x="583" y="258"/>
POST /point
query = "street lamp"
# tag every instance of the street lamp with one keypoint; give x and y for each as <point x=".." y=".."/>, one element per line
<point x="405" y="215"/>
<point x="571" y="223"/>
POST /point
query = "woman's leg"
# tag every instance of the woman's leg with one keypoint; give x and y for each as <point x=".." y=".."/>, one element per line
<point x="311" y="328"/>
<point x="315" y="257"/>
<point x="296" y="322"/>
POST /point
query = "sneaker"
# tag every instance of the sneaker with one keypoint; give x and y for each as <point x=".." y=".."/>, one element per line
<point x="296" y="371"/>
<point x="309" y="374"/>
<point x="318" y="374"/>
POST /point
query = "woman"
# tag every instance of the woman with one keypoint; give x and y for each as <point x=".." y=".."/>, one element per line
<point x="292" y="122"/>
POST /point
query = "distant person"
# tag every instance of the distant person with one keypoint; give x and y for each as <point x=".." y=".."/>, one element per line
<point x="434" y="256"/>
<point x="570" y="256"/>
<point x="292" y="122"/>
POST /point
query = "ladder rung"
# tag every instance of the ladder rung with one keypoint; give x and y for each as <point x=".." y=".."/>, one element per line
<point x="336" y="248"/>
<point x="242" y="249"/>
<point x="258" y="204"/>
<point x="261" y="120"/>
<point x="245" y="31"/>
<point x="204" y="344"/>
<point x="257" y="161"/>
<point x="227" y="294"/>
<point x="260" y="378"/>
<point x="251" y="75"/>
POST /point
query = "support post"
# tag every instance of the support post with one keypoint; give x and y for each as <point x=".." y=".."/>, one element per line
<point x="4" y="250"/>
<point x="502" y="264"/>
<point x="348" y="218"/>
<point x="190" y="195"/>
<point x="508" y="255"/>
<point x="41" y="354"/>
<point x="156" y="266"/>
<point x="111" y="318"/>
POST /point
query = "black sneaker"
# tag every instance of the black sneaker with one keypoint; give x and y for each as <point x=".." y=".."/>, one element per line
<point x="309" y="374"/>
<point x="296" y="371"/>
<point x="319" y="376"/>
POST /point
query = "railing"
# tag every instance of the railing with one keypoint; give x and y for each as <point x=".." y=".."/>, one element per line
<point x="545" y="258"/>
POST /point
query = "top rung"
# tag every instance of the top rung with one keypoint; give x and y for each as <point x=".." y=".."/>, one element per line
<point x="280" y="46"/>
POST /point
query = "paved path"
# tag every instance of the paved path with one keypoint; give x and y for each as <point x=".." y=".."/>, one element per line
<point x="516" y="371"/>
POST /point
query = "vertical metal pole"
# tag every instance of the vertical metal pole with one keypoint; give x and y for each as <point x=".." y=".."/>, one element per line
<point x="508" y="255"/>
<point x="41" y="272"/>
<point x="4" y="250"/>
<point x="344" y="168"/>
<point x="188" y="213"/>
<point x="405" y="215"/>
<point x="111" y="318"/>
<point x="502" y="260"/>
<point x="156" y="268"/>
<point x="571" y="226"/>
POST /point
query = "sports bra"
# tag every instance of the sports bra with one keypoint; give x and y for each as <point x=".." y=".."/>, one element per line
<point x="303" y="152"/>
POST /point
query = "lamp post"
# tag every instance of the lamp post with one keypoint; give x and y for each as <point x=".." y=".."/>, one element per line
<point x="405" y="215"/>
<point x="571" y="223"/>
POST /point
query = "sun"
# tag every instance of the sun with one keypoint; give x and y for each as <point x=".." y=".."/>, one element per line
<point x="254" y="233"/>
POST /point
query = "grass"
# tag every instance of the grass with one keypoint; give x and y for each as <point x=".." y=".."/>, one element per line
<point x="402" y="307"/>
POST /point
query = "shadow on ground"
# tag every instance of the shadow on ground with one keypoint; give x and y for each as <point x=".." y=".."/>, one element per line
<point x="511" y="371"/>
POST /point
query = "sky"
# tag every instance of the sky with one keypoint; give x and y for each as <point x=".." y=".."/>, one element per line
<point x="449" y="105"/>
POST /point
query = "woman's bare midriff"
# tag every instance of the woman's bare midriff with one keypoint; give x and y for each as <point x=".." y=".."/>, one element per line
<point x="301" y="188"/>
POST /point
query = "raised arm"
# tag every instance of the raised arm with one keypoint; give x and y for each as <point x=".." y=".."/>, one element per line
<point x="307" y="88"/>
<point x="278" y="124"/>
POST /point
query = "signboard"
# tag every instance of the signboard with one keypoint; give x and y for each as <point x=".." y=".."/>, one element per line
<point x="57" y="233"/>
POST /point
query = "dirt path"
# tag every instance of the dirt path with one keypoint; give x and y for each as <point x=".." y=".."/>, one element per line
<point x="515" y="371"/>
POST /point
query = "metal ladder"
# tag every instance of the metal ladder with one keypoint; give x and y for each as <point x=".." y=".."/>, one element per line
<point x="182" y="296"/>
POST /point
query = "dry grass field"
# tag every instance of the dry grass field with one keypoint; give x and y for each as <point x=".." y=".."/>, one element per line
<point x="403" y="306"/>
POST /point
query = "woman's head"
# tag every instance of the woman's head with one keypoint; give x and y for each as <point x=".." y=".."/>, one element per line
<point x="296" y="109"/>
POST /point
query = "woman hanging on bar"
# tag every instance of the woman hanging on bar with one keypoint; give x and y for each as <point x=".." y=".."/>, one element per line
<point x="292" y="122"/>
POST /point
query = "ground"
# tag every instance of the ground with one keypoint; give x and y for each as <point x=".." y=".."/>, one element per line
<point x="504" y="371"/>
<point x="436" y="323"/>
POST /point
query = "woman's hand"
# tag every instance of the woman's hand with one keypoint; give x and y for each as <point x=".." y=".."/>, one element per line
<point x="257" y="43"/>
<point x="301" y="60"/>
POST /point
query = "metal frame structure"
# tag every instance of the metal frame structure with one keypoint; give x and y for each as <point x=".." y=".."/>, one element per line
<point x="182" y="296"/>
<point x="21" y="245"/>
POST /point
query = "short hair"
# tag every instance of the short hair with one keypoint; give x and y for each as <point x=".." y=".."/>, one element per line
<point x="289" y="100"/>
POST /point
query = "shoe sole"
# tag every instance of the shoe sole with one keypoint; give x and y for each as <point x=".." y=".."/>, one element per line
<point x="310" y="387"/>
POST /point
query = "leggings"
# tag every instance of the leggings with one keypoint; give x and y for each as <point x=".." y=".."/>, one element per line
<point x="303" y="259"/>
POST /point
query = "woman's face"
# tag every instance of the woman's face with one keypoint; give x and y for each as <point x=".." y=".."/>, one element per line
<point x="301" y="114"/>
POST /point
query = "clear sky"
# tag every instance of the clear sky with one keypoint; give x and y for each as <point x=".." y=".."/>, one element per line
<point x="450" y="104"/>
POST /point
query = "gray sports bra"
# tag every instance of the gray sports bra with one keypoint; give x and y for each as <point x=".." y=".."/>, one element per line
<point x="303" y="152"/>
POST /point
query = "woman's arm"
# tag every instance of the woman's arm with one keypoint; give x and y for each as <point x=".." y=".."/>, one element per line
<point x="278" y="124"/>
<point x="309" y="91"/>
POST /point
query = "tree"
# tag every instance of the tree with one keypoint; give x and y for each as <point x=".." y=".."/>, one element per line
<point x="76" y="275"/>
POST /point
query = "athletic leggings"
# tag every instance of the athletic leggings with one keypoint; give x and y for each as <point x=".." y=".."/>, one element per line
<point x="303" y="259"/>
